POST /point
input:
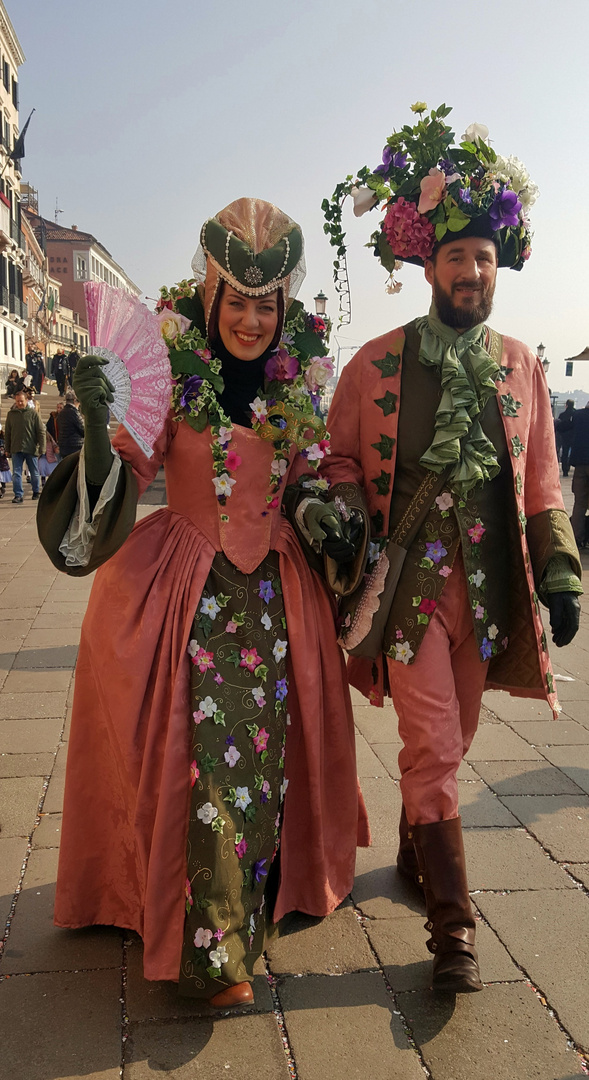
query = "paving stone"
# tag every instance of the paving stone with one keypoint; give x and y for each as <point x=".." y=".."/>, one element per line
<point x="553" y="733"/>
<point x="61" y="656"/>
<point x="19" y="802"/>
<point x="48" y="831"/>
<point x="383" y="802"/>
<point x="14" y="631"/>
<point x="580" y="871"/>
<point x="15" y="613"/>
<point x="573" y="761"/>
<point x="35" y="944"/>
<point x="511" y="708"/>
<point x="148" y="1000"/>
<point x="39" y="638"/>
<point x="327" y="946"/>
<point x="13" y="851"/>
<point x="400" y="945"/>
<point x="346" y="1027"/>
<point x="494" y="742"/>
<point x="525" y="778"/>
<point x="377" y="725"/>
<point x="62" y="610"/>
<point x="502" y="1034"/>
<point x="367" y="763"/>
<point x="560" y="822"/>
<point x="548" y="934"/>
<point x="478" y="806"/>
<point x="30" y="682"/>
<point x="26" y="764"/>
<point x="206" y="1049"/>
<point x="62" y="1025"/>
<point x="32" y="706"/>
<point x="509" y="859"/>
<point x="49" y="620"/>
<point x="53" y="801"/>
<point x="30" y="736"/>
<point x="379" y="891"/>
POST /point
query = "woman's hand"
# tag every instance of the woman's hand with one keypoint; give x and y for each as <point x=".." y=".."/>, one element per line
<point x="93" y="390"/>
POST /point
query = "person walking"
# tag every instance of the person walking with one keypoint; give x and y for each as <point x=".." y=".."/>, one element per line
<point x="59" y="370"/>
<point x="444" y="427"/>
<point x="24" y="440"/>
<point x="35" y="365"/>
<point x="564" y="426"/>
<point x="70" y="436"/>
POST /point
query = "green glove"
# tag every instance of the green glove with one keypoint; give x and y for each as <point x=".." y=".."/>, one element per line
<point x="326" y="526"/>
<point x="94" y="392"/>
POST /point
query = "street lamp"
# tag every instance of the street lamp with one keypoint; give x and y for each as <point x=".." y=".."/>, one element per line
<point x="320" y="302"/>
<point x="540" y="350"/>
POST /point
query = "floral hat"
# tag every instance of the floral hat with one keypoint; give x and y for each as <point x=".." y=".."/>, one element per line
<point x="432" y="191"/>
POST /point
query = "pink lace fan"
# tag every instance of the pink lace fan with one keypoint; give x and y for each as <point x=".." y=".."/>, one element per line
<point x="127" y="334"/>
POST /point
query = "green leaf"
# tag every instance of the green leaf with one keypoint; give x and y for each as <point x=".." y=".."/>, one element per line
<point x="231" y="796"/>
<point x="198" y="421"/>
<point x="416" y="601"/>
<point x="238" y="618"/>
<point x="219" y="717"/>
<point x="252" y="730"/>
<point x="388" y="403"/>
<point x="214" y="972"/>
<point x="518" y="483"/>
<point x="222" y="600"/>
<point x="384" y="447"/>
<point x="201" y="902"/>
<point x="206" y="624"/>
<point x="441" y="230"/>
<point x="264" y="757"/>
<point x="422" y="618"/>
<point x="218" y="824"/>
<point x="382" y="482"/>
<point x="233" y="657"/>
<point x="208" y="764"/>
<point x="386" y="254"/>
<point x="250" y="812"/>
<point x="258" y="782"/>
<point x="192" y="308"/>
<point x="261" y="672"/>
<point x="388" y="366"/>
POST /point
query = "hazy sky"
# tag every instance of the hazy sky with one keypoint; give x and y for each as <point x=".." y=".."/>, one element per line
<point x="151" y="117"/>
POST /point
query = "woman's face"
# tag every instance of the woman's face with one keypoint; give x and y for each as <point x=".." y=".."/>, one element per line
<point x="247" y="324"/>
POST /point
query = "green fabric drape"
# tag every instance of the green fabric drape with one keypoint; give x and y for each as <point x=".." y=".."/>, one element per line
<point x="467" y="374"/>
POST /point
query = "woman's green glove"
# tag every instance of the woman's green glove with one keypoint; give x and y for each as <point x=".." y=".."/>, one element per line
<point x="94" y="392"/>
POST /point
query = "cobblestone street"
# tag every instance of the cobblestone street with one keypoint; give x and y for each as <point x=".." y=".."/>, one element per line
<point x="344" y="997"/>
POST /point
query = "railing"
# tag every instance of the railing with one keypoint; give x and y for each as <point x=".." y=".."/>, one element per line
<point x="4" y="296"/>
<point x="17" y="307"/>
<point x="17" y="234"/>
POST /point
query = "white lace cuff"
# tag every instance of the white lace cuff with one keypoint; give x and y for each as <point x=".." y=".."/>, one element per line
<point x="81" y="532"/>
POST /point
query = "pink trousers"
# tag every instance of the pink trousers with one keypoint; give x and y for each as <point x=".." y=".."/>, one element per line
<point x="438" y="700"/>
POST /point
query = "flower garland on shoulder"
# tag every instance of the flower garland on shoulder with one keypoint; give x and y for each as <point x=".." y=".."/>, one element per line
<point x="286" y="413"/>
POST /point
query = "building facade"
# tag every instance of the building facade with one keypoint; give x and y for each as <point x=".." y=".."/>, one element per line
<point x="13" y="310"/>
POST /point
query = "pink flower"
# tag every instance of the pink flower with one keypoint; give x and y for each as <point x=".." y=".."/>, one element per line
<point x="428" y="606"/>
<point x="273" y="503"/>
<point x="202" y="938"/>
<point x="188" y="894"/>
<point x="219" y="934"/>
<point x="433" y="188"/>
<point x="445" y="500"/>
<point x="232" y="461"/>
<point x="250" y="659"/>
<point x="266" y="787"/>
<point x="408" y="232"/>
<point x="445" y="571"/>
<point x="399" y="635"/>
<point x="231" y="627"/>
<point x="260" y="740"/>
<point x="198" y="716"/>
<point x="205" y="354"/>
<point x="218" y="679"/>
<point x="194" y="773"/>
<point x="373" y="695"/>
<point x="282" y="366"/>
<point x="476" y="533"/>
<point x="479" y="612"/>
<point x="241" y="848"/>
<point x="203" y="660"/>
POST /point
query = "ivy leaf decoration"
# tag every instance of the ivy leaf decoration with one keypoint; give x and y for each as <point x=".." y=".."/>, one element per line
<point x="517" y="446"/>
<point x="384" y="447"/>
<point x="509" y="405"/>
<point x="388" y="366"/>
<point x="208" y="763"/>
<point x="382" y="482"/>
<point x="388" y="403"/>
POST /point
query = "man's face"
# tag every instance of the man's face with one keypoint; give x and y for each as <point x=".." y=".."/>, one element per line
<point x="20" y="401"/>
<point x="462" y="278"/>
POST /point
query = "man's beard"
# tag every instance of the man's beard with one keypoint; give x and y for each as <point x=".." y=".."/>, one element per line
<point x="465" y="315"/>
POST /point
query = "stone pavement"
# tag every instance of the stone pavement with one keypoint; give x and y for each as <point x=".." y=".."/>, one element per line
<point x="345" y="997"/>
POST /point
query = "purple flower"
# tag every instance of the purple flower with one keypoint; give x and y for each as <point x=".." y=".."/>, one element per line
<point x="398" y="160"/>
<point x="465" y="195"/>
<point x="435" y="551"/>
<point x="258" y="870"/>
<point x="263" y="797"/>
<point x="282" y="366"/>
<point x="505" y="209"/>
<point x="266" y="591"/>
<point x="230" y="741"/>
<point x="448" y="167"/>
<point x="281" y="689"/>
<point x="486" y="649"/>
<point x="190" y="391"/>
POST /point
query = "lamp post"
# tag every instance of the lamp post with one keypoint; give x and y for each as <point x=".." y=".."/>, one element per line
<point x="540" y="350"/>
<point x="320" y="302"/>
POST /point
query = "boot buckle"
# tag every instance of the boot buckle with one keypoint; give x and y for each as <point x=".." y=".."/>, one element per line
<point x="420" y="879"/>
<point x="410" y="835"/>
<point x="429" y="926"/>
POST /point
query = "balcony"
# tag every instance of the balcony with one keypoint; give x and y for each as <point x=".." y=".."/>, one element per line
<point x="32" y="272"/>
<point x="17" y="235"/>
<point x="18" y="308"/>
<point x="4" y="226"/>
<point x="4" y="301"/>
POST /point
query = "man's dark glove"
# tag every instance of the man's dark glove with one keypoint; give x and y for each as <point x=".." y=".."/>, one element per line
<point x="339" y="539"/>
<point x="565" y="611"/>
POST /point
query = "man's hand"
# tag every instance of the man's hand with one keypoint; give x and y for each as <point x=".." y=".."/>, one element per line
<point x="338" y="539"/>
<point x="92" y="389"/>
<point x="565" y="611"/>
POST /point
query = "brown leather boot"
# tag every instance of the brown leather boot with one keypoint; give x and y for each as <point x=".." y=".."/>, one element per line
<point x="440" y="854"/>
<point x="407" y="865"/>
<point x="240" y="994"/>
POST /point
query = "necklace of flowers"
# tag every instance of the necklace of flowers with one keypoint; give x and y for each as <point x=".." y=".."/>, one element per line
<point x="286" y="413"/>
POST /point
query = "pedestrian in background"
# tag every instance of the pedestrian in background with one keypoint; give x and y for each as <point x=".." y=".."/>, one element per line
<point x="14" y="382"/>
<point x="5" y="473"/>
<point x="564" y="427"/>
<point x="71" y="426"/>
<point x="59" y="370"/>
<point x="72" y="362"/>
<point x="36" y="368"/>
<point x="580" y="462"/>
<point x="24" y="441"/>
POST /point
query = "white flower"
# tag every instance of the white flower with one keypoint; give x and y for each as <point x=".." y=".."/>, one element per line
<point x="279" y="466"/>
<point x="280" y="649"/>
<point x="223" y="484"/>
<point x="232" y="756"/>
<point x="242" y="798"/>
<point x="266" y="621"/>
<point x="404" y="652"/>
<point x="373" y="551"/>
<point x="283" y="788"/>
<point x="258" y="695"/>
<point x="218" y="956"/>
<point x="208" y="706"/>
<point x="319" y="372"/>
<point x="209" y="606"/>
<point x="172" y="323"/>
<point x="258" y="408"/>
<point x="207" y="813"/>
<point x="364" y="199"/>
<point x="492" y="631"/>
<point x="252" y="926"/>
<point x="225" y="435"/>
<point x="315" y="453"/>
<point x="513" y="172"/>
<point x="202" y="938"/>
<point x="192" y="647"/>
<point x="478" y="578"/>
<point x="445" y="500"/>
<point x="476" y="131"/>
<point x="394" y="287"/>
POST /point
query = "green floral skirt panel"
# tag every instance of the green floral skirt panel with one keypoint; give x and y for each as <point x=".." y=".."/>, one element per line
<point x="239" y="693"/>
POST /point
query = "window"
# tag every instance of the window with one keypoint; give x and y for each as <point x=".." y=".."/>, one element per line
<point x="5" y="341"/>
<point x="51" y="259"/>
<point x="81" y="269"/>
<point x="12" y="344"/>
<point x="6" y="81"/>
<point x="15" y="93"/>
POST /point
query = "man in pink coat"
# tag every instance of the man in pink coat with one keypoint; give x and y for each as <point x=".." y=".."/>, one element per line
<point x="446" y="426"/>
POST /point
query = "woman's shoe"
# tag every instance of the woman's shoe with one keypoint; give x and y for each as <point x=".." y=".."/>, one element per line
<point x="240" y="994"/>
